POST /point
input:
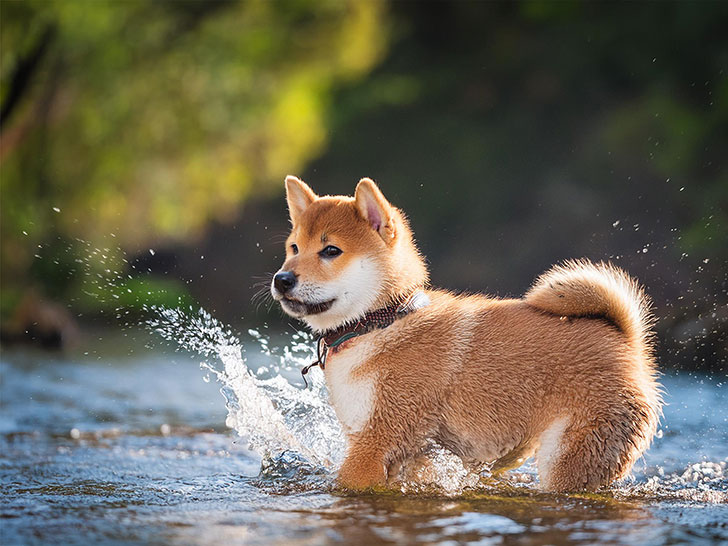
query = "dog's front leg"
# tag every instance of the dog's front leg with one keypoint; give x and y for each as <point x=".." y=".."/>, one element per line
<point x="404" y="416"/>
<point x="364" y="465"/>
<point x="375" y="455"/>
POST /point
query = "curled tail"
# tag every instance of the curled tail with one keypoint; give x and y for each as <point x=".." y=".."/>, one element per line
<point x="580" y="288"/>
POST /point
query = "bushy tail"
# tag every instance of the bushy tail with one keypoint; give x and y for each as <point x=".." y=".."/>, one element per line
<point x="580" y="288"/>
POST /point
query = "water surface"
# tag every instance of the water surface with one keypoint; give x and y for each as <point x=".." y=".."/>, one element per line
<point x="144" y="449"/>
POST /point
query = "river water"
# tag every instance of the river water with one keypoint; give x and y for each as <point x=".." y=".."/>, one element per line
<point x="218" y="442"/>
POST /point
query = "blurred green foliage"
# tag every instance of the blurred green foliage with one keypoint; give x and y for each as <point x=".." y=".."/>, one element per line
<point x="514" y="134"/>
<point x="509" y="118"/>
<point x="147" y="119"/>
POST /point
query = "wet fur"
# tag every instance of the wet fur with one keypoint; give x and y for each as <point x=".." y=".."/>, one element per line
<point x="565" y="373"/>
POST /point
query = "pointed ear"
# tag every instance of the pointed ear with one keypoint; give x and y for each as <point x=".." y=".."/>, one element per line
<point x="299" y="197"/>
<point x="375" y="209"/>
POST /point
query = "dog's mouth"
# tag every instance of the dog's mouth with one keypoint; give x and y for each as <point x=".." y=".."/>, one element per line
<point x="300" y="308"/>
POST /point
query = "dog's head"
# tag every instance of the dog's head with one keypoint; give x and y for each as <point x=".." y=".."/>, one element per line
<point x="345" y="256"/>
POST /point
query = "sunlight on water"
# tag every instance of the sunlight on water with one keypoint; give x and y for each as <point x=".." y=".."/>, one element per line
<point x="297" y="435"/>
<point x="701" y="482"/>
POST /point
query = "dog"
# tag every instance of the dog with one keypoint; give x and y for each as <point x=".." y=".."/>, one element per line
<point x="566" y="373"/>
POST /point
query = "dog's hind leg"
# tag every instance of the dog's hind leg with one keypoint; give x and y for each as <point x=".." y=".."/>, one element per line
<point x="588" y="452"/>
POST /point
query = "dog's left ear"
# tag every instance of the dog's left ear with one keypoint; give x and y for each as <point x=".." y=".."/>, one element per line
<point x="299" y="197"/>
<point x="375" y="209"/>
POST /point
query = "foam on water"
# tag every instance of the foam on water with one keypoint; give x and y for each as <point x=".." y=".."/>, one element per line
<point x="295" y="431"/>
<point x="700" y="482"/>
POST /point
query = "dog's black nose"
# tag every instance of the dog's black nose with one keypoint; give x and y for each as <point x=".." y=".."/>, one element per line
<point x="284" y="281"/>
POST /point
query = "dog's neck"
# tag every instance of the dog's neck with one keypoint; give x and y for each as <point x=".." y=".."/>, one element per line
<point x="374" y="320"/>
<point x="333" y="339"/>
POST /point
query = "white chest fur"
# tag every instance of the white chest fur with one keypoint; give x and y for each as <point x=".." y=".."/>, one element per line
<point x="352" y="395"/>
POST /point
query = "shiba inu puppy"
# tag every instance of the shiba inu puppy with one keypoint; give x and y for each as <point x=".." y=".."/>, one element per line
<point x="566" y="373"/>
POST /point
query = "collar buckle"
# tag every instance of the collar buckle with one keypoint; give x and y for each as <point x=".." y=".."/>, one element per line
<point x="322" y="351"/>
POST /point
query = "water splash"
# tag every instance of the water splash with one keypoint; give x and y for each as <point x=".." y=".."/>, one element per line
<point x="272" y="415"/>
<point x="704" y="482"/>
<point x="438" y="471"/>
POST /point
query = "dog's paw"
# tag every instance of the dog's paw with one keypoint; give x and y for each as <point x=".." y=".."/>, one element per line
<point x="361" y="475"/>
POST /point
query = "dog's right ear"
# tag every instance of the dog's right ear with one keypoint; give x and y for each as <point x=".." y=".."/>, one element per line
<point x="375" y="209"/>
<point x="299" y="197"/>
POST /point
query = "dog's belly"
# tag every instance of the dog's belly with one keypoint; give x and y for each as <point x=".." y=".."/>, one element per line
<point x="477" y="448"/>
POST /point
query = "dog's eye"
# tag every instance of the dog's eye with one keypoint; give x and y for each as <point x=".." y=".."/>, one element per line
<point x="294" y="248"/>
<point x="330" y="252"/>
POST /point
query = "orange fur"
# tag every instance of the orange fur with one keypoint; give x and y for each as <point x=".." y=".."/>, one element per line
<point x="565" y="373"/>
